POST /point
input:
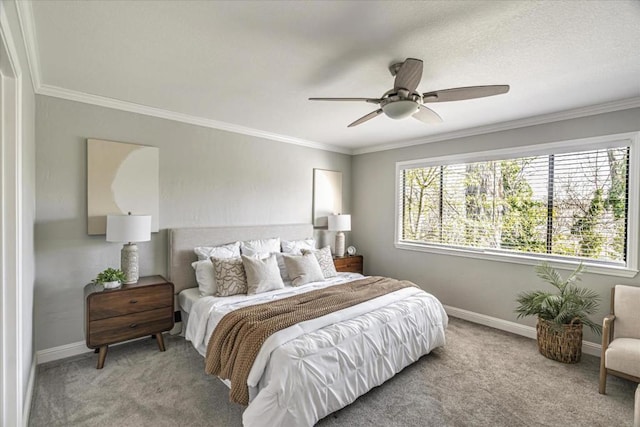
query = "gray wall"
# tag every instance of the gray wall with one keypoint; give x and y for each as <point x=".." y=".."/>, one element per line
<point x="26" y="353"/>
<point x="207" y="178"/>
<point x="210" y="177"/>
<point x="481" y="286"/>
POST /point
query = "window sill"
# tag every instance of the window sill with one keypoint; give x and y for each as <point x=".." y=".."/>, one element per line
<point x="608" y="270"/>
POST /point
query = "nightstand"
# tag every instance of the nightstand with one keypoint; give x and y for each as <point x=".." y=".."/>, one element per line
<point x="349" y="263"/>
<point x="132" y="311"/>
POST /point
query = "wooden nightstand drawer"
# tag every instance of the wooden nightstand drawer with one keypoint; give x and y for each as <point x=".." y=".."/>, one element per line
<point x="110" y="304"/>
<point x="352" y="264"/>
<point x="122" y="328"/>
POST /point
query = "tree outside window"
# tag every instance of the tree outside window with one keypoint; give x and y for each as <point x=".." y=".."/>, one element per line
<point x="570" y="204"/>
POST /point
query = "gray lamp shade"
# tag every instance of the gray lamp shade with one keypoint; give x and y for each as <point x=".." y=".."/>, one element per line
<point x="128" y="228"/>
<point x="339" y="222"/>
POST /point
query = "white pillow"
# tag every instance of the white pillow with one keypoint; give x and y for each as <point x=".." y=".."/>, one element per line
<point x="303" y="269"/>
<point x="205" y="277"/>
<point x="231" y="250"/>
<point x="263" y="274"/>
<point x="296" y="246"/>
<point x="262" y="246"/>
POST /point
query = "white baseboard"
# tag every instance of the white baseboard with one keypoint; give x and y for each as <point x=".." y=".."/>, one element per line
<point x="60" y="352"/>
<point x="68" y="350"/>
<point x="513" y="327"/>
<point x="26" y="409"/>
<point x="591" y="348"/>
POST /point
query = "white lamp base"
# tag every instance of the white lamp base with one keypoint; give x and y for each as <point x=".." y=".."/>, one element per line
<point x="129" y="263"/>
<point x="339" y="249"/>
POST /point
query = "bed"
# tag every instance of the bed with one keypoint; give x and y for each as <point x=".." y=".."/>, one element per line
<point x="313" y="368"/>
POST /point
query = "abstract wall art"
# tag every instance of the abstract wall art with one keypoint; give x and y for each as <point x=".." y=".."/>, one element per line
<point x="121" y="178"/>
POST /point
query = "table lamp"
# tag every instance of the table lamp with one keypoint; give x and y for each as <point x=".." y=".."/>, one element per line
<point x="339" y="223"/>
<point x="129" y="229"/>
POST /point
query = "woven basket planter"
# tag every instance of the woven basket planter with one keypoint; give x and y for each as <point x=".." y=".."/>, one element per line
<point x="563" y="344"/>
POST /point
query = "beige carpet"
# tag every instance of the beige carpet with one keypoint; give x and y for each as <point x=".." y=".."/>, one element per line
<point x="483" y="377"/>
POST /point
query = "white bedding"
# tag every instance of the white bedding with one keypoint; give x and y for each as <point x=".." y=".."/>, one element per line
<point x="311" y="369"/>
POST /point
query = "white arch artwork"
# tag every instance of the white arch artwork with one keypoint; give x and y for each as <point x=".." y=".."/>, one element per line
<point x="121" y="178"/>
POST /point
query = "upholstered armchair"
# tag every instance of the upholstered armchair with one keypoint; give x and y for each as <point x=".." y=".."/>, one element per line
<point x="621" y="336"/>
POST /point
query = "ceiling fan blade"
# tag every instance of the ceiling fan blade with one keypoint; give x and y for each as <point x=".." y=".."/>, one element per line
<point x="427" y="115"/>
<point x="370" y="100"/>
<point x="365" y="118"/>
<point x="409" y="75"/>
<point x="462" y="93"/>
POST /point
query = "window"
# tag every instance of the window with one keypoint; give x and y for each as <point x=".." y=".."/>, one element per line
<point x="566" y="202"/>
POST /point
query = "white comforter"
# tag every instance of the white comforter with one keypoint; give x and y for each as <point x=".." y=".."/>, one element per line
<point x="314" y="368"/>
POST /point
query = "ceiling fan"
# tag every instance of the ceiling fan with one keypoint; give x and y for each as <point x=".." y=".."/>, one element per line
<point x="403" y="100"/>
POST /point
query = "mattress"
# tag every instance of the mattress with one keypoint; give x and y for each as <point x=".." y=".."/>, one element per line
<point x="187" y="298"/>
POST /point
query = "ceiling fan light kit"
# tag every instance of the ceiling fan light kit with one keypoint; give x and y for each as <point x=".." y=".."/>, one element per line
<point x="404" y="101"/>
<point x="400" y="109"/>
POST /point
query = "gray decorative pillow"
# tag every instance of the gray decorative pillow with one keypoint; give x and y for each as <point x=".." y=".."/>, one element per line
<point x="263" y="274"/>
<point x="303" y="269"/>
<point x="230" y="276"/>
<point x="283" y="268"/>
<point x="325" y="260"/>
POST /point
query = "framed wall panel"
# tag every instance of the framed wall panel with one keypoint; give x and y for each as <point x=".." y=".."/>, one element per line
<point x="327" y="195"/>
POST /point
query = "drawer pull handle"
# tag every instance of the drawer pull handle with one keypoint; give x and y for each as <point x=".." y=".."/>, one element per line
<point x="133" y="325"/>
<point x="133" y="301"/>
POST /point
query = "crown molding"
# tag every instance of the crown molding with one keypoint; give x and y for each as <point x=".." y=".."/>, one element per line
<point x="28" y="29"/>
<point x="131" y="107"/>
<point x="27" y="26"/>
<point x="575" y="113"/>
<point x="117" y="104"/>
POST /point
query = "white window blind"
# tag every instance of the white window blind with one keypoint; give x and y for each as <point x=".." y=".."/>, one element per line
<point x="560" y="204"/>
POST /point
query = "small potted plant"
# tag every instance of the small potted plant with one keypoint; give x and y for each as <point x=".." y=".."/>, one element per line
<point x="110" y="278"/>
<point x="561" y="315"/>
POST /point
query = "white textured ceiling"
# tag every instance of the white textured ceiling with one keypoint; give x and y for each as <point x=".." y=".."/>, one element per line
<point x="254" y="63"/>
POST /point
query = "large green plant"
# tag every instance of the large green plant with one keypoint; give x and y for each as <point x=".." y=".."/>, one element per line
<point x="570" y="303"/>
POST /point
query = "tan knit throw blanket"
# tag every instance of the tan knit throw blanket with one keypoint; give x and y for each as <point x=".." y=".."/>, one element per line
<point x="236" y="340"/>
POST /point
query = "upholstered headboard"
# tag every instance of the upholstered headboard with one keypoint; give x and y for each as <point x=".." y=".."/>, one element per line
<point x="183" y="240"/>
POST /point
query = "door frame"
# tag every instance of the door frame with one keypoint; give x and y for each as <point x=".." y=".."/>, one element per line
<point x="11" y="328"/>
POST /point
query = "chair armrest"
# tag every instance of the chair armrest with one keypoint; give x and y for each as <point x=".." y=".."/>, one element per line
<point x="606" y="331"/>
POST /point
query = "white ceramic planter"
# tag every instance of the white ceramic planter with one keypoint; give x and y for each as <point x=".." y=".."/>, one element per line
<point x="111" y="285"/>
